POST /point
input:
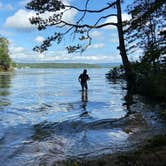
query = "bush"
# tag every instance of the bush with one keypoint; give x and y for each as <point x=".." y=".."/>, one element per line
<point x="149" y="78"/>
<point x="116" y="73"/>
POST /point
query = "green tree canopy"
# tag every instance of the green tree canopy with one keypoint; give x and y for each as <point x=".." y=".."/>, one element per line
<point x="5" y="61"/>
<point x="146" y="28"/>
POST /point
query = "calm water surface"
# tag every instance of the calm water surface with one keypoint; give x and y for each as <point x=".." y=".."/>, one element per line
<point x="44" y="117"/>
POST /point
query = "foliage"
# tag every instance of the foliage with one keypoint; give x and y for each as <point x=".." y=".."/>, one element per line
<point x="149" y="79"/>
<point x="146" y="28"/>
<point x="116" y="73"/>
<point x="5" y="61"/>
<point x="78" y="29"/>
<point x="157" y="141"/>
<point x="146" y="31"/>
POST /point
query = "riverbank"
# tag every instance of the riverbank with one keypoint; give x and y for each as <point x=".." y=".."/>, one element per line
<point x="151" y="151"/>
<point x="150" y="155"/>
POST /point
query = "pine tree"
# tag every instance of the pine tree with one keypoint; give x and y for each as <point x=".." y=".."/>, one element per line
<point x="146" y="28"/>
<point x="80" y="28"/>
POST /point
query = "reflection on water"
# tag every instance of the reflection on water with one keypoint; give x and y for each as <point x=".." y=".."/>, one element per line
<point x="84" y="96"/>
<point x="127" y="97"/>
<point x="41" y="132"/>
<point x="128" y="101"/>
<point x="84" y="99"/>
<point x="47" y="118"/>
<point x="5" y="83"/>
<point x="5" y="80"/>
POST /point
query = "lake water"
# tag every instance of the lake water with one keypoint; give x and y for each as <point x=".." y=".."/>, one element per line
<point x="45" y="117"/>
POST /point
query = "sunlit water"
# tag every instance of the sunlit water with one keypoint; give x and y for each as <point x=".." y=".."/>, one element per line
<point x="45" y="117"/>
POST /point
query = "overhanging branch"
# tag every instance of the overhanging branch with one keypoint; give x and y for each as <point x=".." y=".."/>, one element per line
<point x="91" y="11"/>
<point x="89" y="26"/>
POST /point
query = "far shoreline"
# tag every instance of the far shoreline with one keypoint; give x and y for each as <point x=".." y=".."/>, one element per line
<point x="63" y="65"/>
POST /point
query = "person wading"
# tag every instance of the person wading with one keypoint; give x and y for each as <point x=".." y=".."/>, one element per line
<point x="83" y="78"/>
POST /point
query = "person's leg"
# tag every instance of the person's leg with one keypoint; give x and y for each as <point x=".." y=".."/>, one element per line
<point x="86" y="86"/>
<point x="82" y="86"/>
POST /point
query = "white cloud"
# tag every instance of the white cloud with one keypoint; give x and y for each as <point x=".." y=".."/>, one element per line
<point x="20" y="20"/>
<point x="69" y="15"/>
<point x="96" y="34"/>
<point x="125" y="17"/>
<point x="16" y="51"/>
<point x="114" y="38"/>
<point x="61" y="56"/>
<point x="111" y="20"/>
<point x="39" y="39"/>
<point x="99" y="45"/>
<point x="19" y="53"/>
<point x="24" y="2"/>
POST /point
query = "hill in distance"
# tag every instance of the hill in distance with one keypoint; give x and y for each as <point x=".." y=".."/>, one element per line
<point x="65" y="65"/>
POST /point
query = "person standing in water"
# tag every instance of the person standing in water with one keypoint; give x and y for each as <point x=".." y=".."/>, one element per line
<point x="83" y="78"/>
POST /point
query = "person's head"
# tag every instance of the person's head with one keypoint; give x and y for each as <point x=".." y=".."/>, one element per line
<point x="85" y="71"/>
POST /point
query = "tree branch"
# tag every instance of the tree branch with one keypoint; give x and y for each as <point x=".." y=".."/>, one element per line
<point x="89" y="26"/>
<point x="58" y="9"/>
<point x="91" y="11"/>
<point x="104" y="17"/>
<point x="86" y="5"/>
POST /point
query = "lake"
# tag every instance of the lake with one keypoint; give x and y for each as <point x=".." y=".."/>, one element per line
<point x="45" y="117"/>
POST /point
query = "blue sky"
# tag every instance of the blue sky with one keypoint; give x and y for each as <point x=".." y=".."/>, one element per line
<point x="15" y="26"/>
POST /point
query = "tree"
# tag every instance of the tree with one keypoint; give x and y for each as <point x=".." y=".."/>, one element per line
<point x="146" y="28"/>
<point x="80" y="29"/>
<point x="5" y="61"/>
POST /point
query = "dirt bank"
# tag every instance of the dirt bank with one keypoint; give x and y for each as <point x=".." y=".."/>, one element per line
<point x="151" y="154"/>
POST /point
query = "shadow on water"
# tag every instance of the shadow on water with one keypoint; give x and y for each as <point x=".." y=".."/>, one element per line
<point x="128" y="96"/>
<point x="5" y="84"/>
<point x="42" y="131"/>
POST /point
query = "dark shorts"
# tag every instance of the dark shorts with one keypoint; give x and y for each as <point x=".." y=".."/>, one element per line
<point x="84" y="85"/>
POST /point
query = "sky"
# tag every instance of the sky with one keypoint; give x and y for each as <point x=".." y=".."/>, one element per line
<point x="15" y="26"/>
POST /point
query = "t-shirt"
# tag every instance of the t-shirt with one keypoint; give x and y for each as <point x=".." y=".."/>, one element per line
<point x="84" y="77"/>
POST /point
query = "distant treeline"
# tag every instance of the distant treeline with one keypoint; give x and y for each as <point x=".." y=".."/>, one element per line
<point x="55" y="65"/>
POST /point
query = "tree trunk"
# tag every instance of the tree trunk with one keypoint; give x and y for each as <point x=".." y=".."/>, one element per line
<point x="122" y="48"/>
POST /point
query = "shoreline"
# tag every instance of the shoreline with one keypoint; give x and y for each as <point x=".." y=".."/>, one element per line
<point x="143" y="157"/>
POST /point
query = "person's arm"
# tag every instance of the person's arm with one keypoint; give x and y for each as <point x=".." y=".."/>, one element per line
<point x="79" y="78"/>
